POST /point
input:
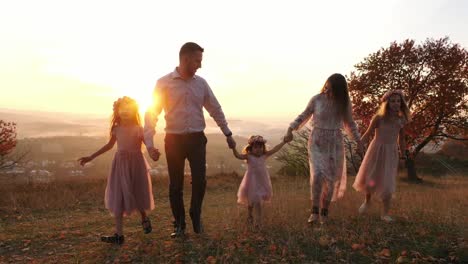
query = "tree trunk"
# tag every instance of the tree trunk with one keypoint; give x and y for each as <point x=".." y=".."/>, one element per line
<point x="411" y="170"/>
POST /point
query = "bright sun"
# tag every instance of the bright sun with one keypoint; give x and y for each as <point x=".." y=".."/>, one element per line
<point x="143" y="98"/>
<point x="144" y="102"/>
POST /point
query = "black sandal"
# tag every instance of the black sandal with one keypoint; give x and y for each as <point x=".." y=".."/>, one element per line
<point x="115" y="239"/>
<point x="146" y="224"/>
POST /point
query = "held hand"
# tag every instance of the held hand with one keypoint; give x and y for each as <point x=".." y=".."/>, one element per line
<point x="231" y="142"/>
<point x="287" y="139"/>
<point x="289" y="136"/>
<point x="403" y="155"/>
<point x="84" y="160"/>
<point x="154" y="153"/>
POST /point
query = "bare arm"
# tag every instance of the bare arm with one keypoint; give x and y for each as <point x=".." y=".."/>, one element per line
<point x="275" y="148"/>
<point x="238" y="155"/>
<point x="105" y="148"/>
<point x="370" y="129"/>
<point x="350" y="125"/>
<point x="402" y="142"/>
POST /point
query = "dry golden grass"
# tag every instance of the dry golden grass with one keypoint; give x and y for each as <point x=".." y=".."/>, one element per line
<point x="62" y="222"/>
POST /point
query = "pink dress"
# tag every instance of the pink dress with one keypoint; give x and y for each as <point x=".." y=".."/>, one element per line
<point x="129" y="184"/>
<point x="256" y="184"/>
<point x="326" y="149"/>
<point x="379" y="167"/>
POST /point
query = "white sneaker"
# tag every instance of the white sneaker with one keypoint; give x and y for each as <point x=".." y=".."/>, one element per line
<point x="386" y="218"/>
<point x="323" y="219"/>
<point x="313" y="218"/>
<point x="363" y="208"/>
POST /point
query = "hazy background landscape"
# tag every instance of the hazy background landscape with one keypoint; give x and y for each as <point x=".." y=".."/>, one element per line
<point x="54" y="141"/>
<point x="64" y="63"/>
<point x="47" y="124"/>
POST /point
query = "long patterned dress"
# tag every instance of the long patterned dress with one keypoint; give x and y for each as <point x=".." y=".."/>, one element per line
<point x="326" y="150"/>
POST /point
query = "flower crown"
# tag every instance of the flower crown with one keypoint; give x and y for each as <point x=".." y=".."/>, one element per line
<point x="256" y="139"/>
<point x="390" y="93"/>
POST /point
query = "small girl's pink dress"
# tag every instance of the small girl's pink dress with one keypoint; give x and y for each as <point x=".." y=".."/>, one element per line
<point x="256" y="184"/>
<point x="129" y="184"/>
<point x="379" y="167"/>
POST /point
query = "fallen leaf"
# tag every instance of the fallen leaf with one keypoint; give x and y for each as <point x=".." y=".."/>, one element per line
<point x="421" y="232"/>
<point x="401" y="259"/>
<point x="211" y="259"/>
<point x="324" y="241"/>
<point x="358" y="246"/>
<point x="416" y="254"/>
<point x="385" y="253"/>
<point x="273" y="248"/>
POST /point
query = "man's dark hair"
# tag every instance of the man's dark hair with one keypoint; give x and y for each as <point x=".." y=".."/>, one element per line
<point x="189" y="48"/>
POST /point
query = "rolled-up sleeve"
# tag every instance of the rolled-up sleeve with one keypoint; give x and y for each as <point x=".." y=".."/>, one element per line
<point x="213" y="107"/>
<point x="151" y="116"/>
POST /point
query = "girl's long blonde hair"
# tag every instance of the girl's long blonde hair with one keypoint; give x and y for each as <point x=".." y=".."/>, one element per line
<point x="404" y="110"/>
<point x="115" y="119"/>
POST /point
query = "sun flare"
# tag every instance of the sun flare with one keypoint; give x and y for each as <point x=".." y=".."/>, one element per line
<point x="143" y="98"/>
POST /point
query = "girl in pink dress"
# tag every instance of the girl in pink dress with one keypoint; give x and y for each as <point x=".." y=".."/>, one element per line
<point x="128" y="187"/>
<point x="330" y="111"/>
<point x="255" y="187"/>
<point x="380" y="164"/>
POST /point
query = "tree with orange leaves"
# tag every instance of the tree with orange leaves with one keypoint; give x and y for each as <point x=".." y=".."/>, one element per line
<point x="7" y="141"/>
<point x="434" y="77"/>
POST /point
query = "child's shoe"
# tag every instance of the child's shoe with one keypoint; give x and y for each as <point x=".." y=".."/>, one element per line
<point x="323" y="219"/>
<point x="146" y="224"/>
<point x="250" y="220"/>
<point x="323" y="216"/>
<point x="314" y="216"/>
<point x="115" y="239"/>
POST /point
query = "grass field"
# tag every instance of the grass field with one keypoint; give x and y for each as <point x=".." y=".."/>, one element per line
<point x="62" y="222"/>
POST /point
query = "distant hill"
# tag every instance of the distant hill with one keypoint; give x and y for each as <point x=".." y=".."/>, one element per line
<point x="51" y="124"/>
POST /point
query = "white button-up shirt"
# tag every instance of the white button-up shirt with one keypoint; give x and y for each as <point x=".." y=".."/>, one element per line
<point x="183" y="102"/>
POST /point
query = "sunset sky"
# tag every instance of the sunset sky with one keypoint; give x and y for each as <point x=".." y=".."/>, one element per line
<point x="263" y="59"/>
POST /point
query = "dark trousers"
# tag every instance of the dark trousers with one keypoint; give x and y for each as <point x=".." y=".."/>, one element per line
<point x="192" y="147"/>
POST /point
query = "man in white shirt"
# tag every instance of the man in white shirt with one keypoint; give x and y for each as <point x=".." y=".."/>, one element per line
<point x="182" y="95"/>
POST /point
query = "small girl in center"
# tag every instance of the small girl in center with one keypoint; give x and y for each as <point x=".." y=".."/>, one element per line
<point x="255" y="187"/>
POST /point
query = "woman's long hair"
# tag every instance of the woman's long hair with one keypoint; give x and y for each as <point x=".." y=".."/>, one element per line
<point x="336" y="87"/>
